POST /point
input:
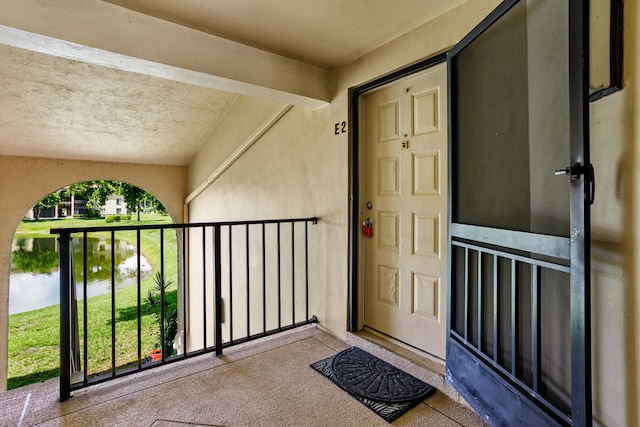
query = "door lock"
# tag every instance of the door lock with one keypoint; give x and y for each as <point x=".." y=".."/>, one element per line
<point x="576" y="171"/>
<point x="367" y="227"/>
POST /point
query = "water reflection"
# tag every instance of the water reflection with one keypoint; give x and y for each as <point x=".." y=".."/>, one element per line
<point x="34" y="280"/>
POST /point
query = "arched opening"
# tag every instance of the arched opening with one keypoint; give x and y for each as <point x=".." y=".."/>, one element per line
<point x="31" y="179"/>
<point x="109" y="266"/>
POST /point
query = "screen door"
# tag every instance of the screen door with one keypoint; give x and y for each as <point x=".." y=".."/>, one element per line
<point x="520" y="189"/>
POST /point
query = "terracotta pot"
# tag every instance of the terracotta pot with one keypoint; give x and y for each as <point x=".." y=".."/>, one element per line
<point x="156" y="355"/>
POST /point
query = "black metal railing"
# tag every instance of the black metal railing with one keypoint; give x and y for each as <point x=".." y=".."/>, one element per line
<point x="215" y="285"/>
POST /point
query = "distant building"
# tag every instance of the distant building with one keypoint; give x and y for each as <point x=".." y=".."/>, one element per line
<point x="70" y="206"/>
<point x="115" y="205"/>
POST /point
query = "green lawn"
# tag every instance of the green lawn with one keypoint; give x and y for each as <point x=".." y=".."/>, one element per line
<point x="34" y="335"/>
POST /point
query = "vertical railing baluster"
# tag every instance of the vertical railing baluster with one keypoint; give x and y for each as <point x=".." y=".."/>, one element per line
<point x="163" y="282"/>
<point x="480" y="301"/>
<point x="466" y="293"/>
<point x="264" y="281"/>
<point x="85" y="345"/>
<point x="306" y="270"/>
<point x="218" y="287"/>
<point x="514" y="318"/>
<point x="535" y="326"/>
<point x="279" y="284"/>
<point x="230" y="284"/>
<point x="65" y="314"/>
<point x="293" y="275"/>
<point x="113" y="303"/>
<point x="248" y="275"/>
<point x="204" y="288"/>
<point x="139" y="297"/>
<point x="496" y="308"/>
<point x="76" y="366"/>
<point x="183" y="267"/>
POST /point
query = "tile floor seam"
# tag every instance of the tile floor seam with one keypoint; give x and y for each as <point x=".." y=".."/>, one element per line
<point x="442" y="413"/>
<point x="22" y="396"/>
<point x="182" y="422"/>
<point x="27" y="398"/>
<point x="327" y="345"/>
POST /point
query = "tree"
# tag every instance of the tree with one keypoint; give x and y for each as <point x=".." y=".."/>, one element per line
<point x="157" y="206"/>
<point x="97" y="192"/>
<point x="94" y="192"/>
<point x="48" y="202"/>
<point x="81" y="190"/>
<point x="132" y="196"/>
<point x="102" y="189"/>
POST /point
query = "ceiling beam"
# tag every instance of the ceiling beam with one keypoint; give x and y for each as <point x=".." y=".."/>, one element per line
<point x="101" y="33"/>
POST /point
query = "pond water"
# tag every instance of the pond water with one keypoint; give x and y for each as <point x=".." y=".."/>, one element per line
<point x="35" y="276"/>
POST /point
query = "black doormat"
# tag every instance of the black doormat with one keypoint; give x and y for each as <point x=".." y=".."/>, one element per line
<point x="383" y="388"/>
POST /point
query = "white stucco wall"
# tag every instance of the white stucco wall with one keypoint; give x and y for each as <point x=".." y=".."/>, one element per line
<point x="24" y="181"/>
<point x="287" y="173"/>
<point x="300" y="168"/>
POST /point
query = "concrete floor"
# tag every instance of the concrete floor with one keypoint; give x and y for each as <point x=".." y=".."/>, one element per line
<point x="263" y="383"/>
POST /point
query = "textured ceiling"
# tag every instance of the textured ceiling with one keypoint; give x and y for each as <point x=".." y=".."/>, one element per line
<point x="60" y="108"/>
<point x="53" y="107"/>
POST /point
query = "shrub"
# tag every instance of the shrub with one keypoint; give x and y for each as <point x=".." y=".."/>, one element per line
<point x="117" y="218"/>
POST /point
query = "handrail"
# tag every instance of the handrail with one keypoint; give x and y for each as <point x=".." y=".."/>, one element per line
<point x="206" y="270"/>
<point x="71" y="230"/>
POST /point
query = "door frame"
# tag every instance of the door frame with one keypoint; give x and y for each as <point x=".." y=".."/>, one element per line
<point x="355" y="297"/>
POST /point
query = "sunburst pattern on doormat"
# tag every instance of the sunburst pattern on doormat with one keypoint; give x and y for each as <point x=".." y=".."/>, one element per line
<point x="383" y="388"/>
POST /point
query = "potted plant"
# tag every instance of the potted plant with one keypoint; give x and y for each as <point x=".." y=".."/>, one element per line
<point x="155" y="355"/>
<point x="167" y="324"/>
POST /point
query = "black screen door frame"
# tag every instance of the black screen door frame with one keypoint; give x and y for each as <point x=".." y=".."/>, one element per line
<point x="494" y="392"/>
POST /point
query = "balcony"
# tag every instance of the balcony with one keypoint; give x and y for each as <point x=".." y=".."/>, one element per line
<point x="264" y="382"/>
<point x="245" y="342"/>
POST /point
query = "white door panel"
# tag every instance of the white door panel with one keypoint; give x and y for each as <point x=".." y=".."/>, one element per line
<point x="405" y="150"/>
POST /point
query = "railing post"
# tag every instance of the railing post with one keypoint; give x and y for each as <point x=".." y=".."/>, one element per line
<point x="65" y="315"/>
<point x="218" y="288"/>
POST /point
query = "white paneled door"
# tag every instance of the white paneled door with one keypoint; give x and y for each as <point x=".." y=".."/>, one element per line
<point x="405" y="199"/>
